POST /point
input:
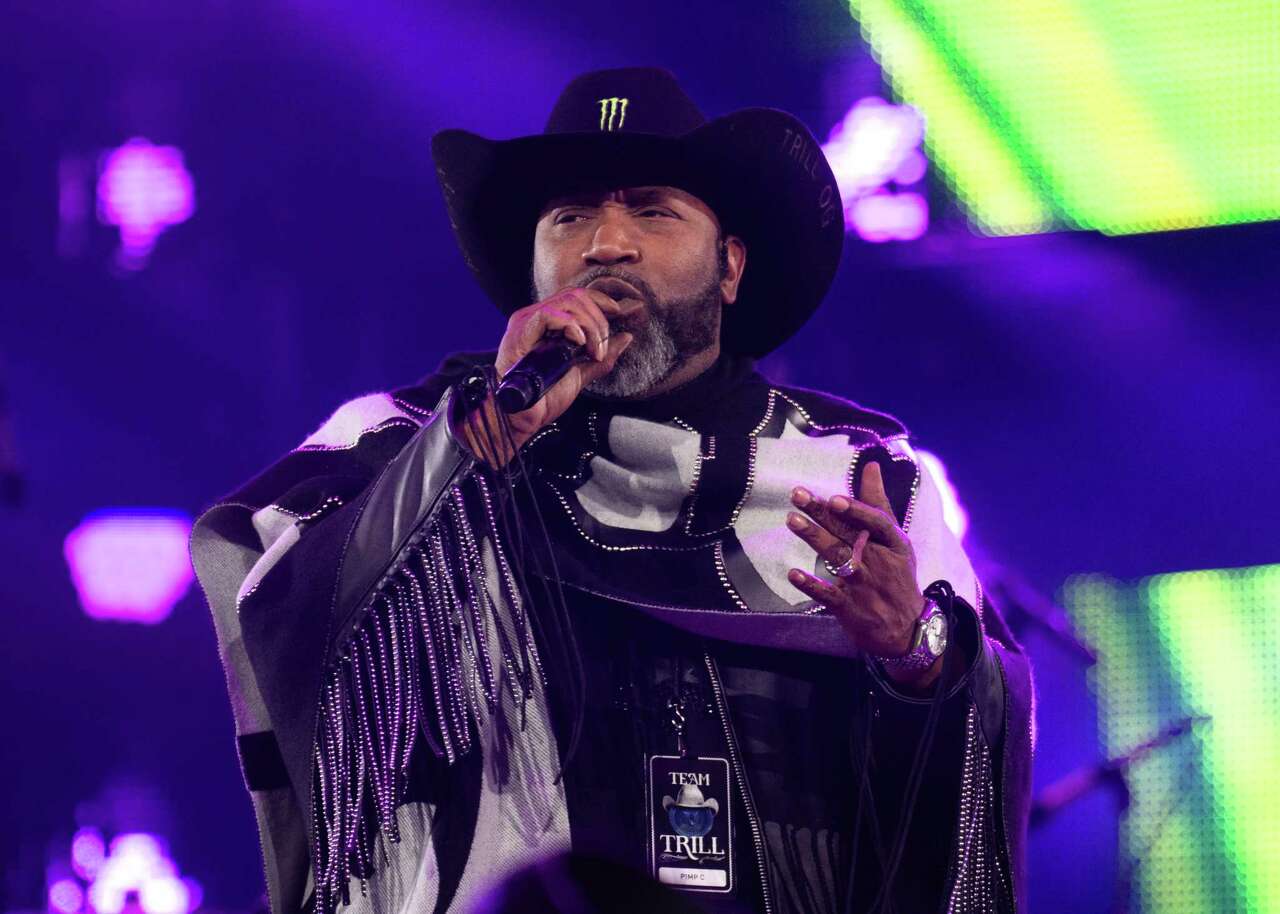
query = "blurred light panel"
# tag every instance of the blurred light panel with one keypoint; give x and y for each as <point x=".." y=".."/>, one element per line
<point x="130" y="565"/>
<point x="1116" y="115"/>
<point x="143" y="189"/>
<point x="1204" y="822"/>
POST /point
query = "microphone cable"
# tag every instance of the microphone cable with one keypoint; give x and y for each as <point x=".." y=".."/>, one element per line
<point x="557" y="627"/>
<point x="942" y="593"/>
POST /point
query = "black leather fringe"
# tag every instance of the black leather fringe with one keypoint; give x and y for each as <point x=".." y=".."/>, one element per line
<point x="420" y="663"/>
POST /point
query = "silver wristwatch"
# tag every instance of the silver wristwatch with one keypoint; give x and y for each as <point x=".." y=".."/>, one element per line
<point x="928" y="641"/>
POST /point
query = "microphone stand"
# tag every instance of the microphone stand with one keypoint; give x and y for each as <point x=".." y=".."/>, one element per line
<point x="1112" y="773"/>
<point x="1018" y="601"/>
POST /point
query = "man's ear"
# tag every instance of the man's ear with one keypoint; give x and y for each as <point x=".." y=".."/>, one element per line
<point x="735" y="259"/>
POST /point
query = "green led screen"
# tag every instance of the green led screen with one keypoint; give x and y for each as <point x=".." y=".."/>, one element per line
<point x="1204" y="821"/>
<point x="1117" y="115"/>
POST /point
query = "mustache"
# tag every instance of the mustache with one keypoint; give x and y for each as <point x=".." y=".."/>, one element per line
<point x="639" y="284"/>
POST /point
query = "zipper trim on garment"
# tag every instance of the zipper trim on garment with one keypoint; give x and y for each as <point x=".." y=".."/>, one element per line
<point x="1006" y="874"/>
<point x="734" y="759"/>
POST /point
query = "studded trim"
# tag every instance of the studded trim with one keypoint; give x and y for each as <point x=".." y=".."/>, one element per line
<point x="848" y="474"/>
<point x="768" y="413"/>
<point x="915" y="491"/>
<point x="692" y="509"/>
<point x="978" y="882"/>
<point x="542" y="433"/>
<point x="819" y="427"/>
<point x="723" y="574"/>
<point x="593" y="448"/>
<point x="752" y="448"/>
<point x="408" y="407"/>
<point x="692" y="497"/>
<point x="392" y="422"/>
<point x="639" y="547"/>
<point x="324" y="507"/>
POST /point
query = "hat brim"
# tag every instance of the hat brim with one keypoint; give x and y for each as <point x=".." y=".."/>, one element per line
<point x="711" y="804"/>
<point x="759" y="169"/>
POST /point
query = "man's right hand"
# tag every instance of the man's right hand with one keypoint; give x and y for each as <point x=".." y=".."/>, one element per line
<point x="582" y="315"/>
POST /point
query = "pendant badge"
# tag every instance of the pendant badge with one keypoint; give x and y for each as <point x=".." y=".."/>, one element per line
<point x="690" y="823"/>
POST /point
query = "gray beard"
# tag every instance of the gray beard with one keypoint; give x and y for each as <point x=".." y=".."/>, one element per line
<point x="650" y="358"/>
<point x="676" y="331"/>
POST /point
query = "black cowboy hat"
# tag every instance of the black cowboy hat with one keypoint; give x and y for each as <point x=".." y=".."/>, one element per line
<point x="759" y="169"/>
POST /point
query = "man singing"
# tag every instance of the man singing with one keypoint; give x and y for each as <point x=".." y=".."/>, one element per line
<point x="671" y="614"/>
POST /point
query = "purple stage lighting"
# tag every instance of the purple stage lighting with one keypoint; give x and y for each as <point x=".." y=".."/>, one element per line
<point x="75" y="178"/>
<point x="877" y="144"/>
<point x="911" y="169"/>
<point x="143" y="189"/>
<point x="88" y="851"/>
<point x="873" y="141"/>
<point x="139" y="865"/>
<point x="66" y="896"/>
<point x="889" y="217"/>
<point x="953" y="513"/>
<point x="130" y="565"/>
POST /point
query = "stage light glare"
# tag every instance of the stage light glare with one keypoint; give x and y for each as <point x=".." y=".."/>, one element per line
<point x="143" y="189"/>
<point x="130" y="565"/>
<point x="88" y="851"/>
<point x="873" y="141"/>
<point x="164" y="895"/>
<point x="134" y="874"/>
<point x="195" y="894"/>
<point x="135" y="862"/>
<point x="889" y="217"/>
<point x="953" y="513"/>
<point x="912" y="169"/>
<point x="66" y="896"/>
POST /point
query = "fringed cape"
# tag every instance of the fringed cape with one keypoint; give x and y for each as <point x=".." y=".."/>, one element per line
<point x="376" y="611"/>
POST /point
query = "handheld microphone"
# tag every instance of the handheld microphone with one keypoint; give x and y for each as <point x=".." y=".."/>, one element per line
<point x="533" y="375"/>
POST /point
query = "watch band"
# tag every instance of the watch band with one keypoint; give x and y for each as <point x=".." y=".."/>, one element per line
<point x="921" y="655"/>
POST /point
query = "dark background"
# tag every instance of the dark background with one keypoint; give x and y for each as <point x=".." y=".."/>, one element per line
<point x="1103" y="404"/>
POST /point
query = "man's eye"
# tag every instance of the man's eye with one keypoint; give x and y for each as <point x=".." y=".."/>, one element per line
<point x="566" y="216"/>
<point x="660" y="212"/>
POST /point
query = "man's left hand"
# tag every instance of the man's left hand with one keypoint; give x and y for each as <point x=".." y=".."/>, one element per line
<point x="879" y="603"/>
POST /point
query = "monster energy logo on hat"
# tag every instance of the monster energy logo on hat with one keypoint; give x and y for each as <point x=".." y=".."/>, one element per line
<point x="611" y="107"/>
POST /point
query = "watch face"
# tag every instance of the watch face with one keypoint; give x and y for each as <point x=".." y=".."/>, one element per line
<point x="935" y="634"/>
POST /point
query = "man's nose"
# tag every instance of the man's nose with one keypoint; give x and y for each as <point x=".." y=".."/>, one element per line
<point x="612" y="241"/>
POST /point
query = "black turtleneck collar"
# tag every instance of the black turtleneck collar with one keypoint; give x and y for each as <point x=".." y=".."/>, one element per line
<point x="709" y="401"/>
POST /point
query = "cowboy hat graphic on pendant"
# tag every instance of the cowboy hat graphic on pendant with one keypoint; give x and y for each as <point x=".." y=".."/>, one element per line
<point x="689" y="814"/>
